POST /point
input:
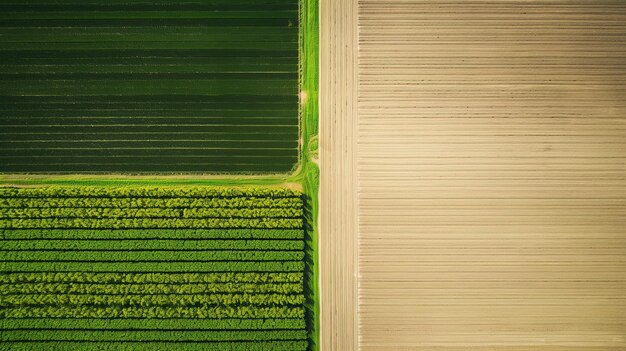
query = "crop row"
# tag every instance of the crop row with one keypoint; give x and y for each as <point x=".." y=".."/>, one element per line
<point x="161" y="118"/>
<point x="98" y="105"/>
<point x="153" y="312"/>
<point x="143" y="202"/>
<point x="185" y="69"/>
<point x="148" y="278"/>
<point x="238" y="115"/>
<point x="126" y="112"/>
<point x="157" y="138"/>
<point x="152" y="101"/>
<point x="151" y="324"/>
<point x="149" y="256"/>
<point x="152" y="223"/>
<point x="137" y="161"/>
<point x="166" y="30"/>
<point x="242" y="9"/>
<point x="171" y="166"/>
<point x="49" y="132"/>
<point x="151" y="212"/>
<point x="151" y="234"/>
<point x="147" y="192"/>
<point x="93" y="7"/>
<point x="160" y="345"/>
<point x="156" y="335"/>
<point x="152" y="122"/>
<point x="154" y="267"/>
<point x="160" y="300"/>
<point x="150" y="288"/>
<point x="158" y="244"/>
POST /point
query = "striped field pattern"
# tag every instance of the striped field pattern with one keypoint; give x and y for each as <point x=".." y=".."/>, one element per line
<point x="128" y="86"/>
<point x="86" y="268"/>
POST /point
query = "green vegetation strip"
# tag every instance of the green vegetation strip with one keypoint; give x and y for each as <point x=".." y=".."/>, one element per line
<point x="69" y="212"/>
<point x="151" y="223"/>
<point x="124" y="234"/>
<point x="149" y="256"/>
<point x="156" y="335"/>
<point x="146" y="192"/>
<point x="145" y="278"/>
<point x="154" y="267"/>
<point x="141" y="202"/>
<point x="149" y="288"/>
<point x="144" y="300"/>
<point x="150" y="324"/>
<point x="153" y="312"/>
<point x="113" y="14"/>
<point x="157" y="244"/>
<point x="160" y="345"/>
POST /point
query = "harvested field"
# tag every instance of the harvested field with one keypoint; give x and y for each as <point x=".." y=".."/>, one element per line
<point x="473" y="175"/>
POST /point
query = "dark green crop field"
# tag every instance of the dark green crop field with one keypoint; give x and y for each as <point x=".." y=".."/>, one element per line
<point x="109" y="268"/>
<point x="158" y="86"/>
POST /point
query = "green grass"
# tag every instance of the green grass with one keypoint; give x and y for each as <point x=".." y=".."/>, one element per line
<point x="309" y="169"/>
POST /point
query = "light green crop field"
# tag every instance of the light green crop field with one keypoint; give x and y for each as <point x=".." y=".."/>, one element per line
<point x="111" y="268"/>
